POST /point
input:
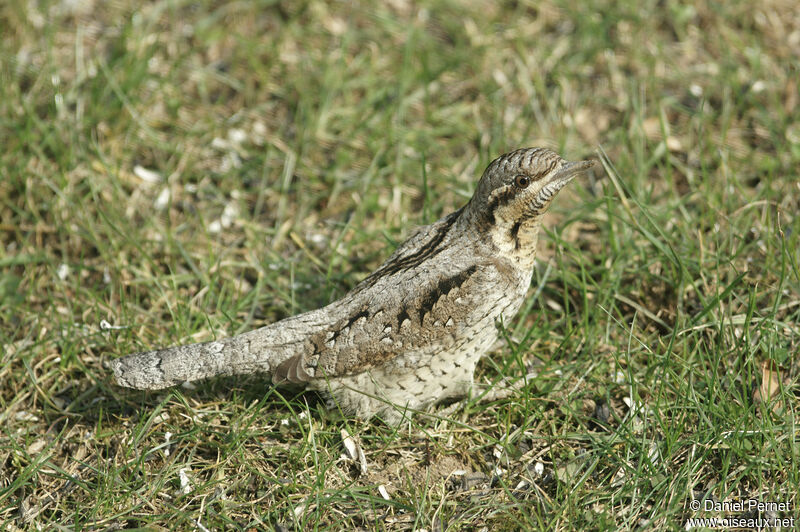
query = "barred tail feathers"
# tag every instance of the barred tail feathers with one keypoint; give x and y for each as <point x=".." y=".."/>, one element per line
<point x="154" y="370"/>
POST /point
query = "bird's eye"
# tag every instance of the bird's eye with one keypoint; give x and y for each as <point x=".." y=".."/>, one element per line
<point x="522" y="181"/>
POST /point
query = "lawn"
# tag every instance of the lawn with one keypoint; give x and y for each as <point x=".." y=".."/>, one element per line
<point x="175" y="172"/>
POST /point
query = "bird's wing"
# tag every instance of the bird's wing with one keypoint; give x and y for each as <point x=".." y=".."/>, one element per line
<point x="416" y="303"/>
<point x="422" y="245"/>
<point x="422" y="313"/>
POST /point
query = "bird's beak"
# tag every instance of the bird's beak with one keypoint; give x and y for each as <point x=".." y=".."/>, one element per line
<point x="568" y="171"/>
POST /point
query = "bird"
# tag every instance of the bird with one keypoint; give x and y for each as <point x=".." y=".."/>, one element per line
<point x="412" y="332"/>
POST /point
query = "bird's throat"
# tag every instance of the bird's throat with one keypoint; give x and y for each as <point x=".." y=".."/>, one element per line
<point x="517" y="238"/>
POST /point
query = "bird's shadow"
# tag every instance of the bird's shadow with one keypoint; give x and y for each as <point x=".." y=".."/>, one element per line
<point x="104" y="403"/>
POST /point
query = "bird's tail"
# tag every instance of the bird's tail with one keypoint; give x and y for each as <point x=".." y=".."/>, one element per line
<point x="153" y="370"/>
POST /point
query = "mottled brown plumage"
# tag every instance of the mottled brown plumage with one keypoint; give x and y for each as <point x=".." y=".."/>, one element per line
<point x="411" y="333"/>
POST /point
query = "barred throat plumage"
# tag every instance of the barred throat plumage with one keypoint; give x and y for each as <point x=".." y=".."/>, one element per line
<point x="411" y="333"/>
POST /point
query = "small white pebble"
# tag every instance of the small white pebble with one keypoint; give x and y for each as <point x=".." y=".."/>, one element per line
<point x="167" y="437"/>
<point x="220" y="144"/>
<point x="229" y="214"/>
<point x="237" y="136"/>
<point x="230" y="161"/>
<point x="318" y="239"/>
<point x="63" y="271"/>
<point x="538" y="468"/>
<point x="36" y="447"/>
<point x="674" y="144"/>
<point x="160" y="418"/>
<point x="163" y="199"/>
<point x="336" y="26"/>
<point x="186" y="486"/>
<point x="554" y="306"/>
<point x="149" y="176"/>
<point x="105" y="326"/>
<point x="23" y="415"/>
<point x="349" y="445"/>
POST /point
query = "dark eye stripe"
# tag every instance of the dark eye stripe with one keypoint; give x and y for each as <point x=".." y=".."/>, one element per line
<point x="502" y="198"/>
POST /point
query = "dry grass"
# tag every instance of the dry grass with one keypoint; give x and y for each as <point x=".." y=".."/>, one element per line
<point x="187" y="171"/>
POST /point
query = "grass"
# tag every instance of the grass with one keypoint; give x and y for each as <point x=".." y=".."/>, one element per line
<point x="185" y="171"/>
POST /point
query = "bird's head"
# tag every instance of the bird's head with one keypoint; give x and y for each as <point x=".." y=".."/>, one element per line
<point x="514" y="192"/>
